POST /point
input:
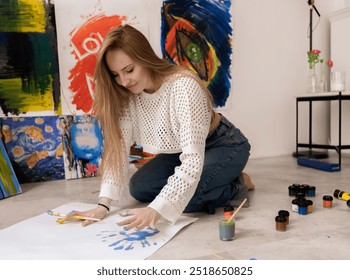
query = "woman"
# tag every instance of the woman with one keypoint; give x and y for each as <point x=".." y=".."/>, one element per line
<point x="166" y="109"/>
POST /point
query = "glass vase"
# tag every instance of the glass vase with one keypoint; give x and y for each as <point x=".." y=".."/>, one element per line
<point x="312" y="81"/>
<point x="322" y="85"/>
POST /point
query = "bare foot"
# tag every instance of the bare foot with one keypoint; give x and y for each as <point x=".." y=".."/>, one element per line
<point x="248" y="182"/>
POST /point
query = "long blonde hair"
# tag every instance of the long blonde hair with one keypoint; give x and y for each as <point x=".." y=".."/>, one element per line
<point x="111" y="99"/>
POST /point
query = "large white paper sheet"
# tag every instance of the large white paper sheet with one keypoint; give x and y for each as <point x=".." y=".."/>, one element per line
<point x="42" y="238"/>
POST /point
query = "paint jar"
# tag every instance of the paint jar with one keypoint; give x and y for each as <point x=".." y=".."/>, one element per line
<point x="302" y="209"/>
<point x="311" y="191"/>
<point x="227" y="230"/>
<point x="228" y="212"/>
<point x="295" y="205"/>
<point x="281" y="223"/>
<point x="341" y="195"/>
<point x="303" y="189"/>
<point x="291" y="190"/>
<point x="327" y="201"/>
<point x="310" y="207"/>
<point x="284" y="213"/>
<point x="348" y="203"/>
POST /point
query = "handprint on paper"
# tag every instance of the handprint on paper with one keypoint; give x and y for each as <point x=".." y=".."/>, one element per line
<point x="127" y="240"/>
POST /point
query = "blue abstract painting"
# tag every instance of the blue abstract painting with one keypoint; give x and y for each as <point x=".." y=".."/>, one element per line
<point x="83" y="145"/>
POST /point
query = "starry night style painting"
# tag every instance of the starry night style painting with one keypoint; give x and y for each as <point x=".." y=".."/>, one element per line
<point x="34" y="146"/>
<point x="197" y="35"/>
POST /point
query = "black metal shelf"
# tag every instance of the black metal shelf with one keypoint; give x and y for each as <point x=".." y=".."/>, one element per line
<point x="321" y="97"/>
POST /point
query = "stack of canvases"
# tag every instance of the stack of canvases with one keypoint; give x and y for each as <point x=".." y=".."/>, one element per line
<point x="40" y="140"/>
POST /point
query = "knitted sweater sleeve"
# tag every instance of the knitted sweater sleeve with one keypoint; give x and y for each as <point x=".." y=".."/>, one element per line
<point x="193" y="116"/>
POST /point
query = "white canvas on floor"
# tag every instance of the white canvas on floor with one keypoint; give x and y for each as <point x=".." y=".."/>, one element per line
<point x="42" y="238"/>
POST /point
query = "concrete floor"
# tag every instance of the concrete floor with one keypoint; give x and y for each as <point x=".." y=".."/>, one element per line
<point x="323" y="234"/>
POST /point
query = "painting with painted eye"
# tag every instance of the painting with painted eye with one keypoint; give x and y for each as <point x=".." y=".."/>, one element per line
<point x="197" y="35"/>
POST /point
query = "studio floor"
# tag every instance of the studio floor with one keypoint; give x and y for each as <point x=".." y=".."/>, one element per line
<point x="321" y="235"/>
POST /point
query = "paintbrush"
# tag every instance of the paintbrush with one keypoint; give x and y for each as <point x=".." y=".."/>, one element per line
<point x="234" y="213"/>
<point x="63" y="217"/>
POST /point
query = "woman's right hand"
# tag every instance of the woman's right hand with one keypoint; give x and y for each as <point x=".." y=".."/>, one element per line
<point x="98" y="213"/>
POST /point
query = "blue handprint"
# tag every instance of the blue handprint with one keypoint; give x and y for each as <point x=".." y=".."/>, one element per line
<point x="130" y="238"/>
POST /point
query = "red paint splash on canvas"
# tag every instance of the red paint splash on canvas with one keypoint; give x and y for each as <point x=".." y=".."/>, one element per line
<point x="86" y="42"/>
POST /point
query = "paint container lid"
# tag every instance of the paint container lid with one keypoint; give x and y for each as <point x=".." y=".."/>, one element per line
<point x="303" y="188"/>
<point x="295" y="201"/>
<point x="300" y="195"/>
<point x="228" y="209"/>
<point x="327" y="198"/>
<point x="303" y="203"/>
<point x="283" y="213"/>
<point x="296" y="185"/>
<point x="309" y="202"/>
<point x="280" y="219"/>
<point x="336" y="193"/>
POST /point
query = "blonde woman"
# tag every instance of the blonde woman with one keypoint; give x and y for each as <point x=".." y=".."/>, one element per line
<point x="166" y="109"/>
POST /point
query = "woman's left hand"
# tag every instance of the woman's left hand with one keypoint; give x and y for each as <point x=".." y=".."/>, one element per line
<point x="141" y="217"/>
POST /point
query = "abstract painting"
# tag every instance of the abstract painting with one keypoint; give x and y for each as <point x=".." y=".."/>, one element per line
<point x="46" y="239"/>
<point x="34" y="146"/>
<point x="29" y="79"/>
<point x="9" y="184"/>
<point x="81" y="27"/>
<point x="82" y="145"/>
<point x="197" y="35"/>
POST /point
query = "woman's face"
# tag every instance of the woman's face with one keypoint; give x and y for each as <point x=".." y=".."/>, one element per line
<point x="128" y="73"/>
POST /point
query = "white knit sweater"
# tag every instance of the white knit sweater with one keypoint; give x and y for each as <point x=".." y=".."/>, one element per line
<point x="175" y="119"/>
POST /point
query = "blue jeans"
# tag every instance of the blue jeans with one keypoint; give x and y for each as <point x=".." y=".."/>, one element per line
<point x="226" y="154"/>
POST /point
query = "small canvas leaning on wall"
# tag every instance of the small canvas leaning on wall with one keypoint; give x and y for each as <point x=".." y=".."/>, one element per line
<point x="9" y="184"/>
<point x="34" y="147"/>
<point x="82" y="146"/>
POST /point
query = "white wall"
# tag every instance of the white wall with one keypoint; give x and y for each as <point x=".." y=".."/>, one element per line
<point x="270" y="68"/>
